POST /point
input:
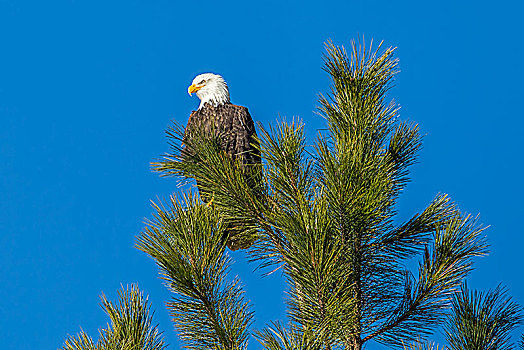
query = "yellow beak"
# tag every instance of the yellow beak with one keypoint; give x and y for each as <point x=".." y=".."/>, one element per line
<point x="193" y="88"/>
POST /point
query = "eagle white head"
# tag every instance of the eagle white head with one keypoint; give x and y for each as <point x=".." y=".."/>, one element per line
<point x="210" y="88"/>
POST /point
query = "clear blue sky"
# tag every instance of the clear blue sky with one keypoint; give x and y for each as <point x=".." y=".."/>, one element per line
<point x="88" y="87"/>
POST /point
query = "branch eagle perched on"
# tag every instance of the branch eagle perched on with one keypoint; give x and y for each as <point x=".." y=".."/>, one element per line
<point x="235" y="129"/>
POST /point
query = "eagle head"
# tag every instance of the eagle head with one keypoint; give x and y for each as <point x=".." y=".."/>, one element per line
<point x="210" y="88"/>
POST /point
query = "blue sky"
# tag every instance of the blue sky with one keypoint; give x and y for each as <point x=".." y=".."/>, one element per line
<point x="88" y="87"/>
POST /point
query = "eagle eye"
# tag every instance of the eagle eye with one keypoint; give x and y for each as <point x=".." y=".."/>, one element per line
<point x="202" y="82"/>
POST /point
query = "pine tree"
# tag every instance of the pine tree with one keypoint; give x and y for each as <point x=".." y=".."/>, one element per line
<point x="324" y="216"/>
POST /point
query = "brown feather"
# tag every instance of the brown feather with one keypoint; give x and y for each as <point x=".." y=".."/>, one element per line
<point x="234" y="123"/>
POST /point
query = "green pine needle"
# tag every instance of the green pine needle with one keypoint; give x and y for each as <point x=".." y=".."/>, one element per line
<point x="482" y="320"/>
<point x="187" y="241"/>
<point x="131" y="326"/>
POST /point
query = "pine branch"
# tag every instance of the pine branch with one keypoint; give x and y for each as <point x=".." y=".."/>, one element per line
<point x="440" y="274"/>
<point x="404" y="144"/>
<point x="424" y="346"/>
<point x="81" y="342"/>
<point x="130" y="328"/>
<point x="356" y="113"/>
<point x="131" y="324"/>
<point x="277" y="337"/>
<point x="411" y="237"/>
<point x="187" y="242"/>
<point x="482" y="320"/>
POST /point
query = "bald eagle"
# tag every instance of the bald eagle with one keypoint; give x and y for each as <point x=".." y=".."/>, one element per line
<point x="235" y="127"/>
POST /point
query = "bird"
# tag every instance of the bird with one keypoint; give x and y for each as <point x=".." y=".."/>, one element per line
<point x="236" y="130"/>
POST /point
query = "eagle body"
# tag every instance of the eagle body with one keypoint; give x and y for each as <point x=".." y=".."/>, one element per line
<point x="236" y="133"/>
<point x="233" y="124"/>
